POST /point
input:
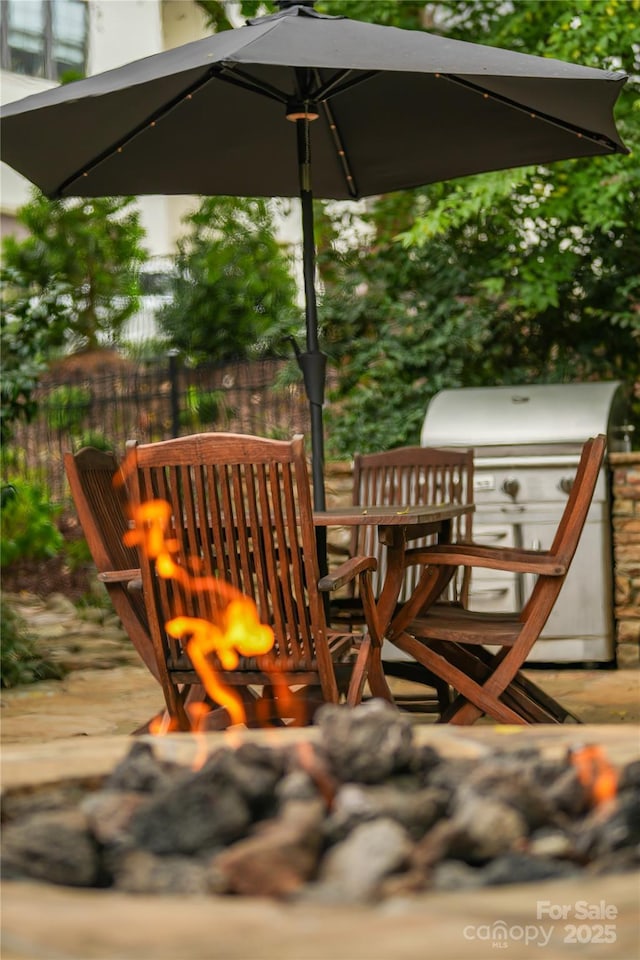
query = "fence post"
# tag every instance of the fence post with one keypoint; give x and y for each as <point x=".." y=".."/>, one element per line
<point x="175" y="393"/>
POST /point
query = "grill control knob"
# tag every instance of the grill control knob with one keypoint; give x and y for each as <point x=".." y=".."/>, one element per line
<point x="566" y="483"/>
<point x="511" y="487"/>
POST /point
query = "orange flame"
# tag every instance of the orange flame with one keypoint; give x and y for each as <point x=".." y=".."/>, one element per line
<point x="197" y="713"/>
<point x="151" y="522"/>
<point x="161" y="724"/>
<point x="595" y="773"/>
<point x="239" y="633"/>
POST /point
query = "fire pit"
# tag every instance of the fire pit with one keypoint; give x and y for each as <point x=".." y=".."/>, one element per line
<point x="364" y="813"/>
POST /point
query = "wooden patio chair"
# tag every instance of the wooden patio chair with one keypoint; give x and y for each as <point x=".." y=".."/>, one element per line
<point x="103" y="510"/>
<point x="240" y="512"/>
<point x="409" y="476"/>
<point x="459" y="646"/>
<point x="412" y="476"/>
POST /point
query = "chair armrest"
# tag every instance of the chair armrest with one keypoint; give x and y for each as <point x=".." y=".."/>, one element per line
<point x="346" y="572"/>
<point x="121" y="576"/>
<point x="513" y="559"/>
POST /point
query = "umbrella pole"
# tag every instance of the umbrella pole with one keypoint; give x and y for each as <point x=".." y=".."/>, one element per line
<point x="312" y="362"/>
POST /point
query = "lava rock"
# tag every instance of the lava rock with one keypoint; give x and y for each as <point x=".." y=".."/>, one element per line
<point x="279" y="857"/>
<point x="630" y="777"/>
<point x="254" y="770"/>
<point x="109" y="814"/>
<point x="139" y="871"/>
<point x="56" y="847"/>
<point x="200" y="812"/>
<point x="296" y="785"/>
<point x="522" y="868"/>
<point x="450" y="774"/>
<point x="488" y="828"/>
<point x="416" y="810"/>
<point x="567" y="795"/>
<point x="366" y="745"/>
<point x="352" y="871"/>
<point x="141" y="772"/>
<point x="551" y="844"/>
<point x="612" y="828"/>
<point x="507" y="783"/>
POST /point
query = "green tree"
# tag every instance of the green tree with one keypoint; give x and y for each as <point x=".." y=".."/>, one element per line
<point x="70" y="282"/>
<point x="397" y="328"/>
<point x="81" y="258"/>
<point x="25" y="325"/>
<point x="233" y="281"/>
<point x="519" y="276"/>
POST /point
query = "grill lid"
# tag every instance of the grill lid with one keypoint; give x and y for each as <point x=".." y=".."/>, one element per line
<point x="515" y="416"/>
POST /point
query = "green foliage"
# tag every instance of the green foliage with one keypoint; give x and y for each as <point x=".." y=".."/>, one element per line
<point x="217" y="13"/>
<point x="92" y="438"/>
<point x="28" y="317"/>
<point x="20" y="661"/>
<point x="205" y="408"/>
<point x="394" y="332"/>
<point x="518" y="276"/>
<point x="80" y="259"/>
<point x="77" y="554"/>
<point x="232" y="282"/>
<point x="66" y="407"/>
<point x="28" y="524"/>
<point x="72" y="280"/>
<point x="397" y="13"/>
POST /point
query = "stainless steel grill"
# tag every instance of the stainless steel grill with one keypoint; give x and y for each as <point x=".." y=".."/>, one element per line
<point x="527" y="442"/>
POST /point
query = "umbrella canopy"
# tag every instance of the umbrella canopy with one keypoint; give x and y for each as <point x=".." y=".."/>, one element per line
<point x="397" y="109"/>
<point x="379" y="109"/>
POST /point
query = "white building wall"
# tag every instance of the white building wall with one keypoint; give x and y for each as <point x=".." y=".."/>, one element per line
<point x="14" y="189"/>
<point x="119" y="31"/>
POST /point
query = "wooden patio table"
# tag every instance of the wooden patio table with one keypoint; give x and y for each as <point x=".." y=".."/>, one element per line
<point x="397" y="526"/>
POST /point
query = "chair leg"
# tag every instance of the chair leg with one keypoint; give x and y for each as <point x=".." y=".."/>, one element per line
<point x="480" y="700"/>
<point x="545" y="700"/>
<point x="479" y="664"/>
<point x="377" y="680"/>
<point x="361" y="669"/>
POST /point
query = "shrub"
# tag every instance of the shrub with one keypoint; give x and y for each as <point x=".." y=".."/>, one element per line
<point x="28" y="524"/>
<point x="20" y="661"/>
<point x="206" y="408"/>
<point x="67" y="407"/>
<point x="92" y="438"/>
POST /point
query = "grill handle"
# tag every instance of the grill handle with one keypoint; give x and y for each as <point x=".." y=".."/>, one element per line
<point x="489" y="538"/>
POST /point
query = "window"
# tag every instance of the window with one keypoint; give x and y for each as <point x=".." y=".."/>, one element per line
<point x="44" y="38"/>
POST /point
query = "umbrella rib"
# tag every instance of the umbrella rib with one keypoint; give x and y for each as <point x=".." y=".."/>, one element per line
<point x="340" y="150"/>
<point x="580" y="132"/>
<point x="230" y="74"/>
<point x="149" y="121"/>
<point x="332" y="87"/>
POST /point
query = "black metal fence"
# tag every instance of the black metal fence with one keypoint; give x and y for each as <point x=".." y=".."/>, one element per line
<point x="106" y="406"/>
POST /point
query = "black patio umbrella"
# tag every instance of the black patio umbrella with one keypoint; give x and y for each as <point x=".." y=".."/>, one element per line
<point x="380" y="109"/>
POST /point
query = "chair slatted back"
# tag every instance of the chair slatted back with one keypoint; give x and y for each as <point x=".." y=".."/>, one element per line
<point x="413" y="476"/>
<point x="240" y="512"/>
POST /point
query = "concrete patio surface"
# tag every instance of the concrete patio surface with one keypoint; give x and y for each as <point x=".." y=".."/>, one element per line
<point x="108" y="691"/>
